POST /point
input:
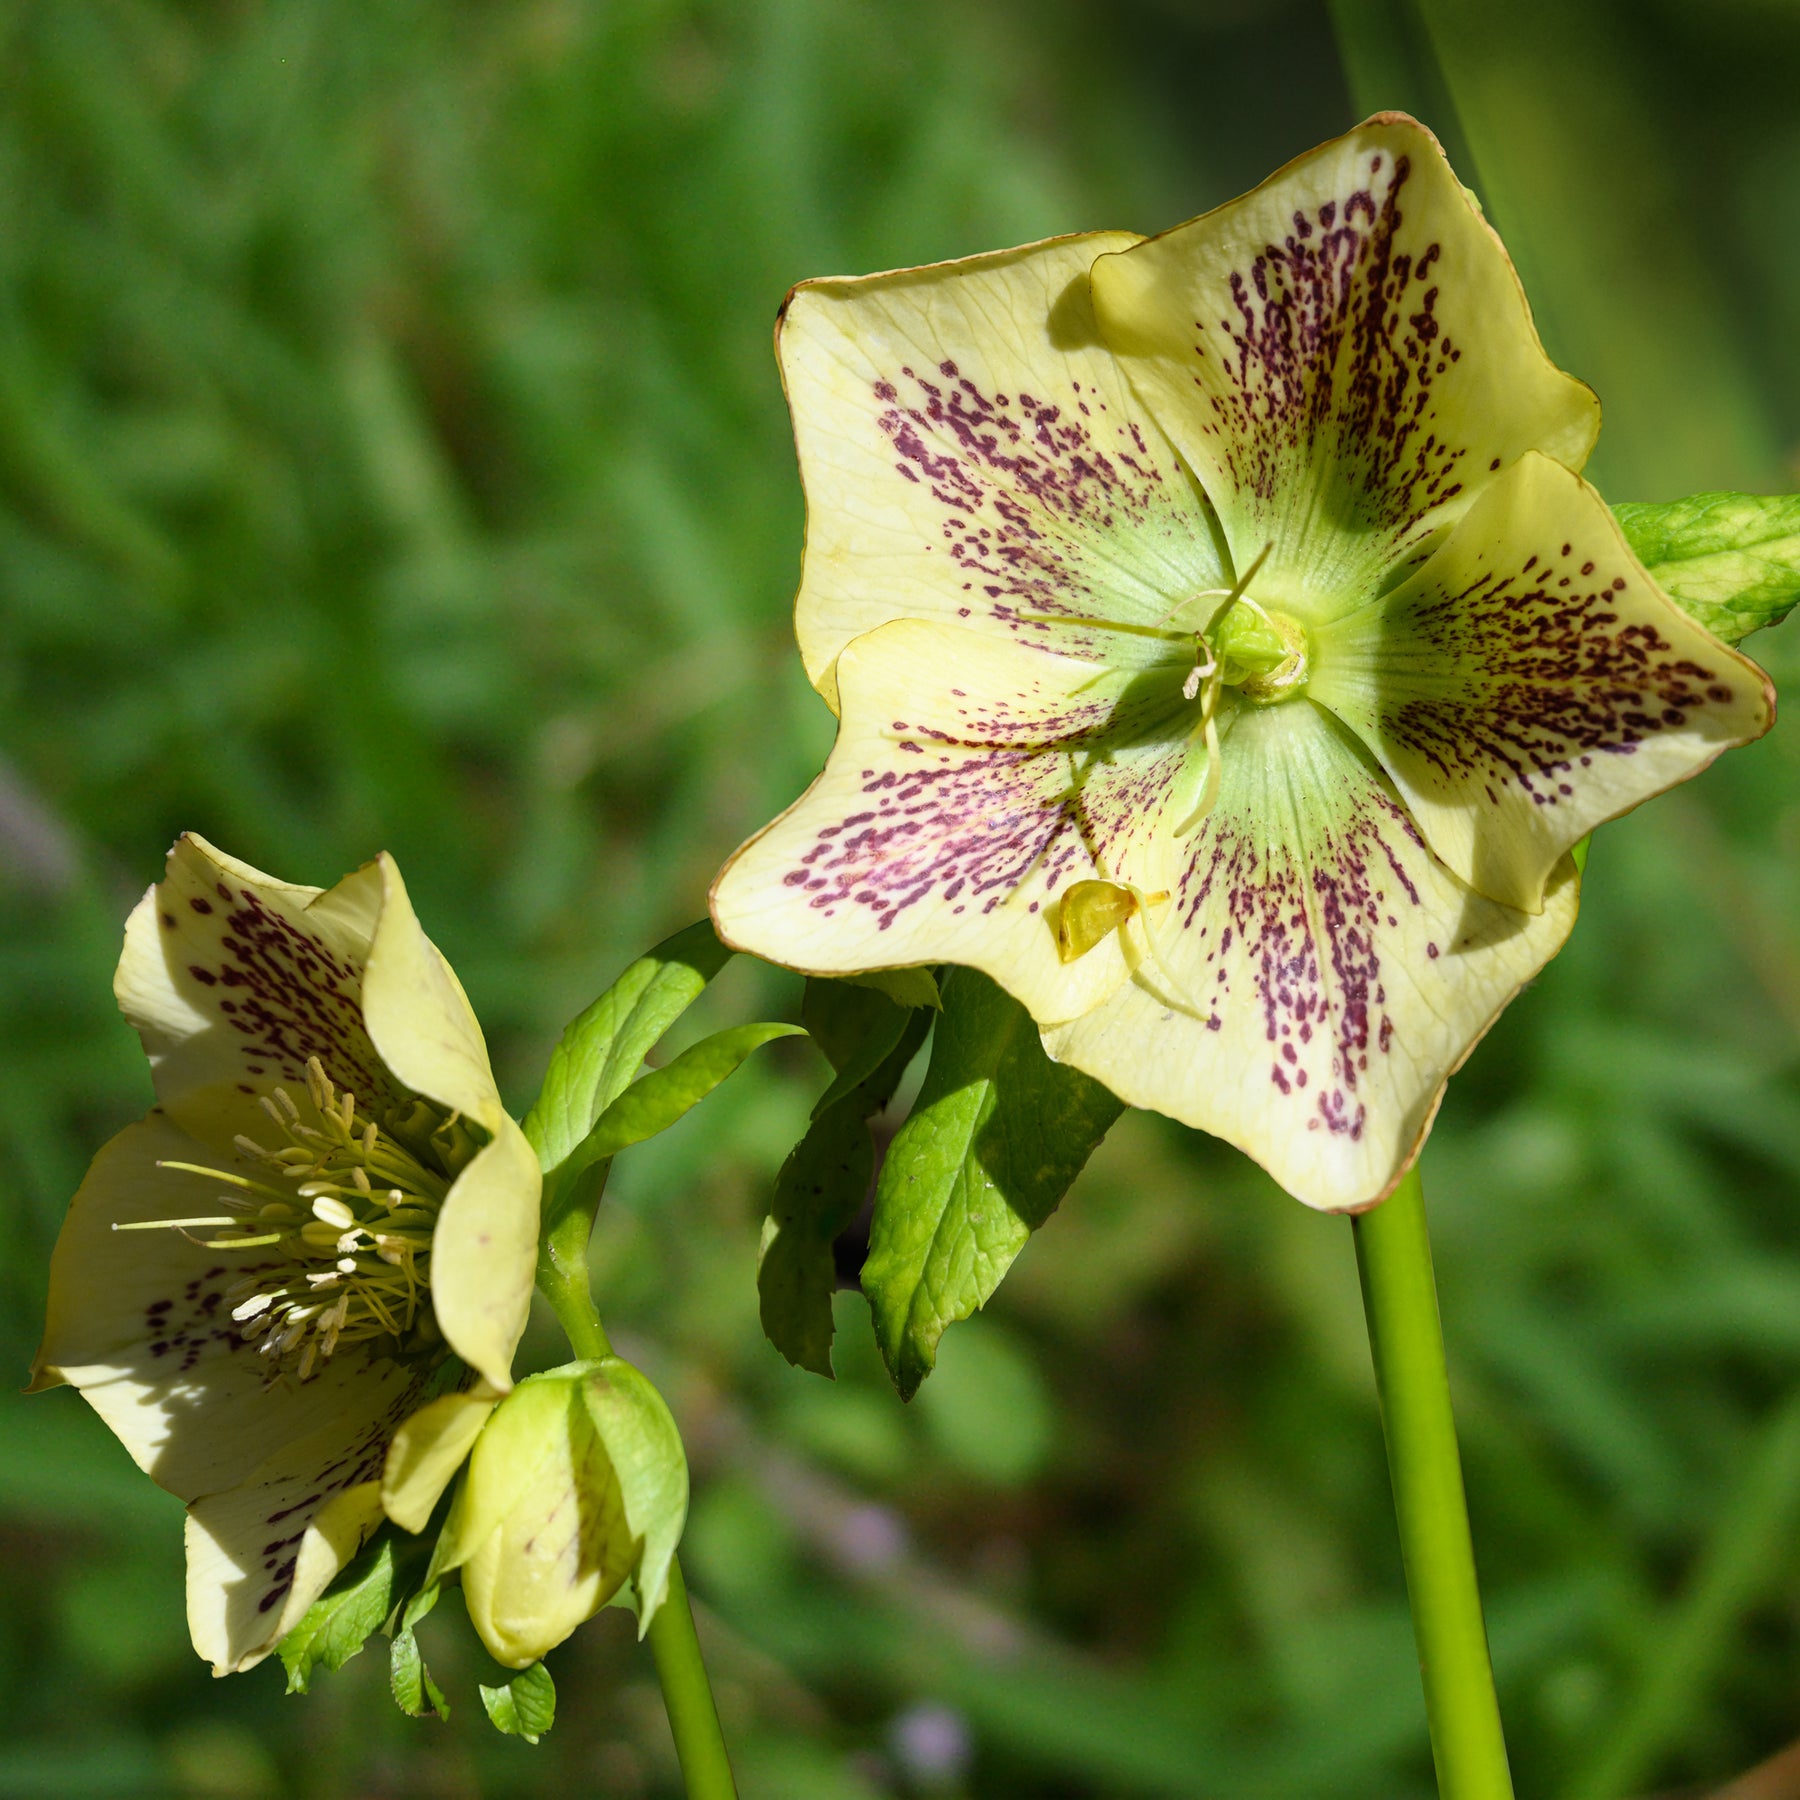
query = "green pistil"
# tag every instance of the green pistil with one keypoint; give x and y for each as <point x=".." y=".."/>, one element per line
<point x="1262" y="654"/>
<point x="348" y="1237"/>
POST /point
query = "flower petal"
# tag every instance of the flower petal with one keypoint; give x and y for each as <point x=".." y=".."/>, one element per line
<point x="971" y="452"/>
<point x="428" y="1450"/>
<point x="484" y="1248"/>
<point x="233" y="979"/>
<point x="1334" y="973"/>
<point x="140" y="1321"/>
<point x="1343" y="356"/>
<point x="1531" y="682"/>
<point x="484" y="1254"/>
<point x="973" y="781"/>
<point x="261" y="1553"/>
<point x="417" y="1013"/>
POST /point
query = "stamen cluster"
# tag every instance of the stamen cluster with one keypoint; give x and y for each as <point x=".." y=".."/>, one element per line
<point x="349" y="1241"/>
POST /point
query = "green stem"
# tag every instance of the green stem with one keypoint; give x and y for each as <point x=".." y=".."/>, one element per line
<point x="693" y="1718"/>
<point x="563" y="1277"/>
<point x="562" y="1271"/>
<point x="1406" y="1337"/>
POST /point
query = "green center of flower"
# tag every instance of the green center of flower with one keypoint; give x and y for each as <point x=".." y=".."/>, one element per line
<point x="345" y="1239"/>
<point x="1263" y="654"/>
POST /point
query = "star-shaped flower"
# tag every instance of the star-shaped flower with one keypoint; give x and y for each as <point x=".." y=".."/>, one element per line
<point x="1226" y="650"/>
<point x="258" y="1284"/>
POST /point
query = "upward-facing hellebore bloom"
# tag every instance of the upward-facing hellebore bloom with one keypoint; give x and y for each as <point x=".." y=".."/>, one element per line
<point x="1226" y="651"/>
<point x="259" y="1283"/>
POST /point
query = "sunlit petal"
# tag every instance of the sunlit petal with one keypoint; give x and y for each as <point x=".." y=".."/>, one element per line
<point x="1344" y="357"/>
<point x="1332" y="973"/>
<point x="972" y="453"/>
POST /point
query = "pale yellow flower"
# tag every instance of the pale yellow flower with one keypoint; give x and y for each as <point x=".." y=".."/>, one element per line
<point x="1226" y="649"/>
<point x="259" y="1284"/>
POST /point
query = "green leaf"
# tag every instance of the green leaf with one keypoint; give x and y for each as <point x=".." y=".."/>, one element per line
<point x="654" y="1103"/>
<point x="415" y="1693"/>
<point x="1730" y="561"/>
<point x="525" y="1707"/>
<point x="337" y="1624"/>
<point x="600" y="1052"/>
<point x="905" y="987"/>
<point x="856" y="1027"/>
<point x="998" y="1134"/>
<point x="823" y="1183"/>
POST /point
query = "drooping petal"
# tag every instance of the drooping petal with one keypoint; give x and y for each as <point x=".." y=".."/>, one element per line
<point x="972" y="453"/>
<point x="1344" y="357"/>
<point x="261" y="1553"/>
<point x="428" y="1450"/>
<point x="484" y="1254"/>
<point x="1531" y="682"/>
<point x="141" y="1322"/>
<point x="484" y="1250"/>
<point x="973" y="782"/>
<point x="233" y="979"/>
<point x="417" y="1014"/>
<point x="1333" y="972"/>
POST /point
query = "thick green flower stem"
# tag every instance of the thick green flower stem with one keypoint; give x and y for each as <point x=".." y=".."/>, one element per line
<point x="687" y="1696"/>
<point x="1393" y="1254"/>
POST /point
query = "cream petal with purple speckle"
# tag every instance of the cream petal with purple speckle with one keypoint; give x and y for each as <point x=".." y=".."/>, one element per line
<point x="1333" y="973"/>
<point x="972" y="453"/>
<point x="141" y="1322"/>
<point x="1344" y="357"/>
<point x="259" y="1554"/>
<point x="973" y="782"/>
<point x="1531" y="682"/>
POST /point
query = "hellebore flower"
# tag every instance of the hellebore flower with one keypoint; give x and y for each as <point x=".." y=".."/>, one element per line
<point x="259" y="1283"/>
<point x="1226" y="651"/>
<point x="576" y="1485"/>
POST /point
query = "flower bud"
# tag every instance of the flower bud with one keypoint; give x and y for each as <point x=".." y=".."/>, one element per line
<point x="576" y="1485"/>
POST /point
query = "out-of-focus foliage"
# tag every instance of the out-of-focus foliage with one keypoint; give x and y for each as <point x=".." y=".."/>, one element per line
<point x="391" y="455"/>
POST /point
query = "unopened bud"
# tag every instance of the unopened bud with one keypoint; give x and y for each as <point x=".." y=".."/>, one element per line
<point x="576" y="1485"/>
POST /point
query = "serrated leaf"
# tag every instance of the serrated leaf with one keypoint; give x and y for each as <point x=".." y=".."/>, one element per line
<point x="525" y="1707"/>
<point x="339" y="1622"/>
<point x="997" y="1135"/>
<point x="1730" y="561"/>
<point x="415" y="1693"/>
<point x="655" y="1102"/>
<point x="826" y="1176"/>
<point x="599" y="1053"/>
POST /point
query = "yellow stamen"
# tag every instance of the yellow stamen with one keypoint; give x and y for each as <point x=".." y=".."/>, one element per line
<point x="354" y="1225"/>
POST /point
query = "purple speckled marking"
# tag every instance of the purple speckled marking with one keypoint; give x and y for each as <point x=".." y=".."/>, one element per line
<point x="1515" y="679"/>
<point x="989" y="804"/>
<point x="1020" y="480"/>
<point x="1304" y="926"/>
<point x="1334" y="336"/>
<point x="276" y="985"/>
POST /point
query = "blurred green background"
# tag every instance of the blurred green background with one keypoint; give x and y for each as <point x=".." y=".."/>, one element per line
<point x="391" y="454"/>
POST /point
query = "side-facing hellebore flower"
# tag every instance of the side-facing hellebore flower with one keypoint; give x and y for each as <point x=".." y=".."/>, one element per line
<point x="259" y="1283"/>
<point x="1226" y="651"/>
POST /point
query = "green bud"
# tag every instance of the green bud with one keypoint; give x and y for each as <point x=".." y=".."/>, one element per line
<point x="576" y="1485"/>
